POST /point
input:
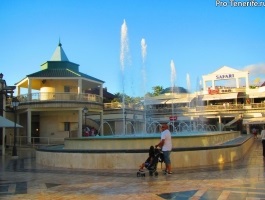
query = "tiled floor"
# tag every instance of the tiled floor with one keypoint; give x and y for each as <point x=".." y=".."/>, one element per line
<point x="24" y="179"/>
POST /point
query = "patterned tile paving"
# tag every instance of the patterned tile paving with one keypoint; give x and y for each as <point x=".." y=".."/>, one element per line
<point x="24" y="179"/>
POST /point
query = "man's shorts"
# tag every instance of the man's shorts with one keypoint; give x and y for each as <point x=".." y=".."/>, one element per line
<point x="167" y="157"/>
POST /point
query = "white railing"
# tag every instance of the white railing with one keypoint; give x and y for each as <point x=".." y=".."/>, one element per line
<point x="57" y="96"/>
<point x="118" y="105"/>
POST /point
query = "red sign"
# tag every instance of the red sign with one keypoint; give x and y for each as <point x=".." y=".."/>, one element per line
<point x="211" y="91"/>
<point x="171" y="118"/>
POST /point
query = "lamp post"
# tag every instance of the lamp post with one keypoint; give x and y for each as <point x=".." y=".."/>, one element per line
<point x="15" y="104"/>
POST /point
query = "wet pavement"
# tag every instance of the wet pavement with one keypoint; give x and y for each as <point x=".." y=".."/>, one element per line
<point x="24" y="179"/>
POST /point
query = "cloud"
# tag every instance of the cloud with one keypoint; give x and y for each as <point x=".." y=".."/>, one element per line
<point x="256" y="71"/>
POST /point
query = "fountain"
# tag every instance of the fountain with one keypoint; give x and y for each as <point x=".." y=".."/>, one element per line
<point x="197" y="145"/>
<point x="173" y="78"/>
<point x="123" y="58"/>
<point x="188" y="87"/>
<point x="144" y="48"/>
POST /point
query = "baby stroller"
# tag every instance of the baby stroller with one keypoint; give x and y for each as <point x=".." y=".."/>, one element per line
<point x="155" y="156"/>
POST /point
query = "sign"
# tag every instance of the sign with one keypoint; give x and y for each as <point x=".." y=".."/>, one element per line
<point x="213" y="91"/>
<point x="225" y="76"/>
<point x="173" y="118"/>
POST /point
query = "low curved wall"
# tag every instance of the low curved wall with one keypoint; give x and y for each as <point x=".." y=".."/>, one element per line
<point x="132" y="158"/>
<point x="145" y="141"/>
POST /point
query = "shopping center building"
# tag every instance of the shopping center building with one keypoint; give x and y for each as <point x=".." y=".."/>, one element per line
<point x="237" y="107"/>
<point x="59" y="101"/>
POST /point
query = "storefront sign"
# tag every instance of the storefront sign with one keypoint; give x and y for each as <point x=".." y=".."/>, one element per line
<point x="213" y="91"/>
<point x="225" y="76"/>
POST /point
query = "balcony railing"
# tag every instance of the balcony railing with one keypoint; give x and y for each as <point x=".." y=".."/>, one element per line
<point x="52" y="96"/>
<point x="118" y="105"/>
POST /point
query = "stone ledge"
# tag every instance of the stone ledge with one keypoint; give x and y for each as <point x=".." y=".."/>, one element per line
<point x="131" y="159"/>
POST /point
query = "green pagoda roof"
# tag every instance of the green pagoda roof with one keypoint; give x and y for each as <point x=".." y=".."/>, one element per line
<point x="61" y="73"/>
<point x="59" y="66"/>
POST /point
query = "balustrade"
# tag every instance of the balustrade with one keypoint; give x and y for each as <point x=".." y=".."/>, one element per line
<point x="56" y="96"/>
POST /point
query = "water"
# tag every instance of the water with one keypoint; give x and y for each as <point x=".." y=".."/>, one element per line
<point x="173" y="79"/>
<point x="123" y="60"/>
<point x="188" y="87"/>
<point x="151" y="126"/>
<point x="144" y="52"/>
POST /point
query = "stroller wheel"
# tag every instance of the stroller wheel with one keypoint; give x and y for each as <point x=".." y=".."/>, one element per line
<point x="138" y="174"/>
<point x="156" y="173"/>
<point x="150" y="173"/>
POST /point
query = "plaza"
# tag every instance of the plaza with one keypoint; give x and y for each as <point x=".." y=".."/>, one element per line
<point x="24" y="179"/>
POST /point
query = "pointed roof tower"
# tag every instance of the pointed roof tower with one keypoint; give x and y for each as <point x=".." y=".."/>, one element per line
<point x="60" y="67"/>
<point x="59" y="54"/>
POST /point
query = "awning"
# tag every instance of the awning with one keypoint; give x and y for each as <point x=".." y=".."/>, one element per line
<point x="6" y="123"/>
<point x="257" y="95"/>
<point x="180" y="100"/>
<point x="153" y="102"/>
<point x="255" y="120"/>
<point x="169" y="101"/>
<point x="208" y="97"/>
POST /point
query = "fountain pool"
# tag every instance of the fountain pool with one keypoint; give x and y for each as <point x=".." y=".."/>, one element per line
<point x="128" y="152"/>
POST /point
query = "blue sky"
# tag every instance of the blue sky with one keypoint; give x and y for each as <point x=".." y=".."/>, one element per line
<point x="198" y="36"/>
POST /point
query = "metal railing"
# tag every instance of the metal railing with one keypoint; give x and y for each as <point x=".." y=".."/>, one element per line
<point x="57" y="96"/>
<point x="224" y="107"/>
<point x="118" y="105"/>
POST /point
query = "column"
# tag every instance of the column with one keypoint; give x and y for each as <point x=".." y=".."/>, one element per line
<point x="101" y="93"/>
<point x="237" y="83"/>
<point x="248" y="128"/>
<point x="29" y="126"/>
<point x="204" y="85"/>
<point x="29" y="90"/>
<point x="79" y="88"/>
<point x="101" y="124"/>
<point x="220" y="123"/>
<point x="213" y="84"/>
<point x="247" y="84"/>
<point x="80" y="120"/>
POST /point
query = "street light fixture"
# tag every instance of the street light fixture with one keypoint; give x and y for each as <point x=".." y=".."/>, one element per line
<point x="15" y="104"/>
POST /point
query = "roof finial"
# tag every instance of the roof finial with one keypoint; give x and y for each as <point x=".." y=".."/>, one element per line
<point x="59" y="42"/>
<point x="59" y="54"/>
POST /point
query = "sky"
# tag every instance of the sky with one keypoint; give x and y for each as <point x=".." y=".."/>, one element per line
<point x="167" y="42"/>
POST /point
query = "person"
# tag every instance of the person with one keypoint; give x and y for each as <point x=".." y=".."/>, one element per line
<point x="92" y="131"/>
<point x="149" y="160"/>
<point x="87" y="132"/>
<point x="166" y="145"/>
<point x="263" y="141"/>
<point x="254" y="132"/>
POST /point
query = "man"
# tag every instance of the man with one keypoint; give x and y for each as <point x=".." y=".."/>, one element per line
<point x="166" y="145"/>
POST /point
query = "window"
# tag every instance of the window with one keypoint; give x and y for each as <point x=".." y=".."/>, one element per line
<point x="66" y="88"/>
<point x="66" y="126"/>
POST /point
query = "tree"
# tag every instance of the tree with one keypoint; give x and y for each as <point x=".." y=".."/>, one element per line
<point x="157" y="90"/>
<point x="118" y="97"/>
